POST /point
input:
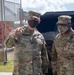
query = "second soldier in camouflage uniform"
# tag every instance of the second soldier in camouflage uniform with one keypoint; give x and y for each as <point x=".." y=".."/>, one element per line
<point x="30" y="53"/>
<point x="63" y="48"/>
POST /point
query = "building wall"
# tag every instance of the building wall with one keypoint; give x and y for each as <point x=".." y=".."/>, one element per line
<point x="11" y="10"/>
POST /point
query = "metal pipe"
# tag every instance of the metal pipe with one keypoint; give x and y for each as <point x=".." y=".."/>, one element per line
<point x="2" y="19"/>
<point x="3" y="22"/>
<point x="20" y="13"/>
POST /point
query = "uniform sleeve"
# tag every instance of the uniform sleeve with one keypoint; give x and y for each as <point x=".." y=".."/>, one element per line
<point x="9" y="41"/>
<point x="44" y="55"/>
<point x="54" y="59"/>
<point x="45" y="61"/>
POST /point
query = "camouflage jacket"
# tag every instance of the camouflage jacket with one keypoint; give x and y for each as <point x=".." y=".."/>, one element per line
<point x="30" y="53"/>
<point x="63" y="54"/>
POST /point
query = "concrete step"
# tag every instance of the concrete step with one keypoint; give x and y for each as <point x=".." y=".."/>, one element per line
<point x="5" y="73"/>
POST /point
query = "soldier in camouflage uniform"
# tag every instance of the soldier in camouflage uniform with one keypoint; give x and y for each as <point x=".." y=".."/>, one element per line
<point x="63" y="48"/>
<point x="30" y="53"/>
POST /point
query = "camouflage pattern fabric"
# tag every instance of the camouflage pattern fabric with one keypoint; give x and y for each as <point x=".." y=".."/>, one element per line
<point x="64" y="19"/>
<point x="38" y="37"/>
<point x="28" y="59"/>
<point x="63" y="54"/>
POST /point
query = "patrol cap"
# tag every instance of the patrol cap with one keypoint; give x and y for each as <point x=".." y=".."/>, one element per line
<point x="34" y="18"/>
<point x="64" y="19"/>
<point x="34" y="13"/>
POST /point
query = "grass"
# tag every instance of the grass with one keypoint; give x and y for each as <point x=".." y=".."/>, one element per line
<point x="8" y="67"/>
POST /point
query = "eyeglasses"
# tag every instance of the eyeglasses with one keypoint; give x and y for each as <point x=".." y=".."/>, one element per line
<point x="61" y="24"/>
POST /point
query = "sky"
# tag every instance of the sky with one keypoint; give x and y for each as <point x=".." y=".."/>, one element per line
<point x="48" y="5"/>
<point x="43" y="6"/>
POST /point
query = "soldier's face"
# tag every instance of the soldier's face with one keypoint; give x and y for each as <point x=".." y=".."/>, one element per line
<point x="62" y="28"/>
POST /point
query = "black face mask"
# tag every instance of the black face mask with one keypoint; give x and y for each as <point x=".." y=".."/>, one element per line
<point x="33" y="23"/>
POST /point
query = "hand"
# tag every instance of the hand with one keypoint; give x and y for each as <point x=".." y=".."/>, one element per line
<point x="15" y="31"/>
